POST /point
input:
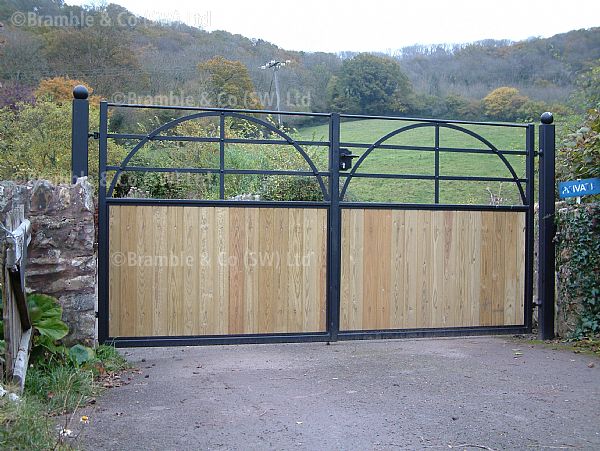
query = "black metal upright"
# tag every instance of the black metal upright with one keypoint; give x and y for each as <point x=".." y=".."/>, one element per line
<point x="335" y="234"/>
<point x="103" y="263"/>
<point x="547" y="229"/>
<point x="79" y="133"/>
<point x="529" y="229"/>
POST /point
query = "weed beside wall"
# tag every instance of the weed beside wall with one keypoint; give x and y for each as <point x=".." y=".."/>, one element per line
<point x="578" y="270"/>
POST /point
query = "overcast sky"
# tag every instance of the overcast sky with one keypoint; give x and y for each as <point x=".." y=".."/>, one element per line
<point x="373" y="25"/>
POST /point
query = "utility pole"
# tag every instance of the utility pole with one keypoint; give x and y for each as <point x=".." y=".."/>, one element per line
<point x="276" y="65"/>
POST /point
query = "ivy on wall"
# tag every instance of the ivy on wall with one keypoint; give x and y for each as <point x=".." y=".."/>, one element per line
<point x="578" y="269"/>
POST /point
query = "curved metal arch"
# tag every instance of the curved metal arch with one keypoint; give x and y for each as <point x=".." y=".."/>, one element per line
<point x="174" y="122"/>
<point x="481" y="139"/>
<point x="290" y="141"/>
<point x="149" y="137"/>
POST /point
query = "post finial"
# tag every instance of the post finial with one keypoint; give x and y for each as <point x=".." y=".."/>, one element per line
<point x="547" y="118"/>
<point x="80" y="92"/>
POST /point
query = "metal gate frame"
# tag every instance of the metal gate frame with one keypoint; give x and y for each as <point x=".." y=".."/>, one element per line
<point x="333" y="201"/>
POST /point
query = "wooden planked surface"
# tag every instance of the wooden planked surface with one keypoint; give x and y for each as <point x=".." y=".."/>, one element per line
<point x="405" y="269"/>
<point x="213" y="271"/>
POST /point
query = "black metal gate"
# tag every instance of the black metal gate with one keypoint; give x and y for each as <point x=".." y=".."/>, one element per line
<point x="385" y="306"/>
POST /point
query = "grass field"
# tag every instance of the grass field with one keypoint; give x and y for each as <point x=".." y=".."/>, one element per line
<point x="419" y="162"/>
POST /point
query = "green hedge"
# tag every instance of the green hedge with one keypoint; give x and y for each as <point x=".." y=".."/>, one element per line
<point x="578" y="270"/>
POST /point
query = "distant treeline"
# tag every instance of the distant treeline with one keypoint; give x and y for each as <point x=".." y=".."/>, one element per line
<point x="128" y="58"/>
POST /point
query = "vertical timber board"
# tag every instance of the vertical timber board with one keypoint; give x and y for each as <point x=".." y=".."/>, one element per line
<point x="352" y="269"/>
<point x="520" y="274"/>
<point x="178" y="271"/>
<point x="160" y="290"/>
<point x="264" y="259"/>
<point x="250" y="270"/>
<point x="237" y="238"/>
<point x="191" y="257"/>
<point x="487" y="261"/>
<point x="398" y="300"/>
<point x="280" y="267"/>
<point x="423" y="268"/>
<point x="175" y="242"/>
<point x="295" y="273"/>
<point x="222" y="264"/>
<point x="145" y="273"/>
<point x="321" y="269"/>
<point x="114" y="279"/>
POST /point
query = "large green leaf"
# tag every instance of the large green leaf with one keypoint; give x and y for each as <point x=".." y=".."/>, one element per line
<point x="46" y="316"/>
<point x="52" y="328"/>
<point x="81" y="354"/>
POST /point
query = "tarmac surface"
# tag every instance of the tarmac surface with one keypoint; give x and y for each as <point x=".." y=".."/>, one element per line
<point x="465" y="393"/>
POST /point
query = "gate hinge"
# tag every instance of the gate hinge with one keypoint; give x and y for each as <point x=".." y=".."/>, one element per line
<point x="95" y="135"/>
<point x="95" y="314"/>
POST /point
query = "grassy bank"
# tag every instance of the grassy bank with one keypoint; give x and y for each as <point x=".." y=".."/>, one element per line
<point x="54" y="388"/>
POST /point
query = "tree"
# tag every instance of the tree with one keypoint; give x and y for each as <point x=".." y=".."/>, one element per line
<point x="102" y="55"/>
<point x="60" y="90"/>
<point x="370" y="84"/>
<point x="35" y="141"/>
<point x="228" y="84"/>
<point x="588" y="87"/>
<point x="504" y="103"/>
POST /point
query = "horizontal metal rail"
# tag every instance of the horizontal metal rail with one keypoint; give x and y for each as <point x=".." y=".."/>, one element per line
<point x="432" y="148"/>
<point x="217" y="110"/>
<point x="433" y="121"/>
<point x="217" y="171"/>
<point x="418" y="206"/>
<point x="312" y="337"/>
<point x="214" y="139"/>
<point x="218" y="202"/>
<point x="433" y="177"/>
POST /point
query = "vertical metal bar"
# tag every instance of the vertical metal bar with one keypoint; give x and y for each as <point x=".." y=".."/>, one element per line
<point x="437" y="163"/>
<point x="335" y="234"/>
<point x="103" y="257"/>
<point x="79" y="133"/>
<point x="222" y="156"/>
<point x="529" y="224"/>
<point x="547" y="229"/>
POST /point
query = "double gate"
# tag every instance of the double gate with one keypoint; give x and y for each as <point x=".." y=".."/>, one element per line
<point x="393" y="241"/>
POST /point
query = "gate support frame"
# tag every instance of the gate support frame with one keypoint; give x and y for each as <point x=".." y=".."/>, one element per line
<point x="547" y="229"/>
<point x="332" y="331"/>
<point x="335" y="231"/>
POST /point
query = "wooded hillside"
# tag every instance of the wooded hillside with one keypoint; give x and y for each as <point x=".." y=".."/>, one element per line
<point x="121" y="55"/>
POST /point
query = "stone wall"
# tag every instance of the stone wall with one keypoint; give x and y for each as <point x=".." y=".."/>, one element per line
<point x="62" y="255"/>
<point x="578" y="269"/>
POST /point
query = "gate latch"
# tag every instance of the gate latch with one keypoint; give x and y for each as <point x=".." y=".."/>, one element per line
<point x="346" y="159"/>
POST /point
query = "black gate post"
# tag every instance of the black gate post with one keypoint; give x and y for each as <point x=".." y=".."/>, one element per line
<point x="547" y="229"/>
<point x="103" y="256"/>
<point x="79" y="133"/>
<point x="335" y="234"/>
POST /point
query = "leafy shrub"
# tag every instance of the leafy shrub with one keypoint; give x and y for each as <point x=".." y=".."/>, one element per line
<point x="580" y="155"/>
<point x="578" y="265"/>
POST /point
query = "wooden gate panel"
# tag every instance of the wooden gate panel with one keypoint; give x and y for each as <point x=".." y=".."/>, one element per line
<point x="182" y="271"/>
<point x="406" y="269"/>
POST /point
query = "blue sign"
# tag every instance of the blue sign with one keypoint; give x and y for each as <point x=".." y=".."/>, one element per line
<point x="577" y="188"/>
